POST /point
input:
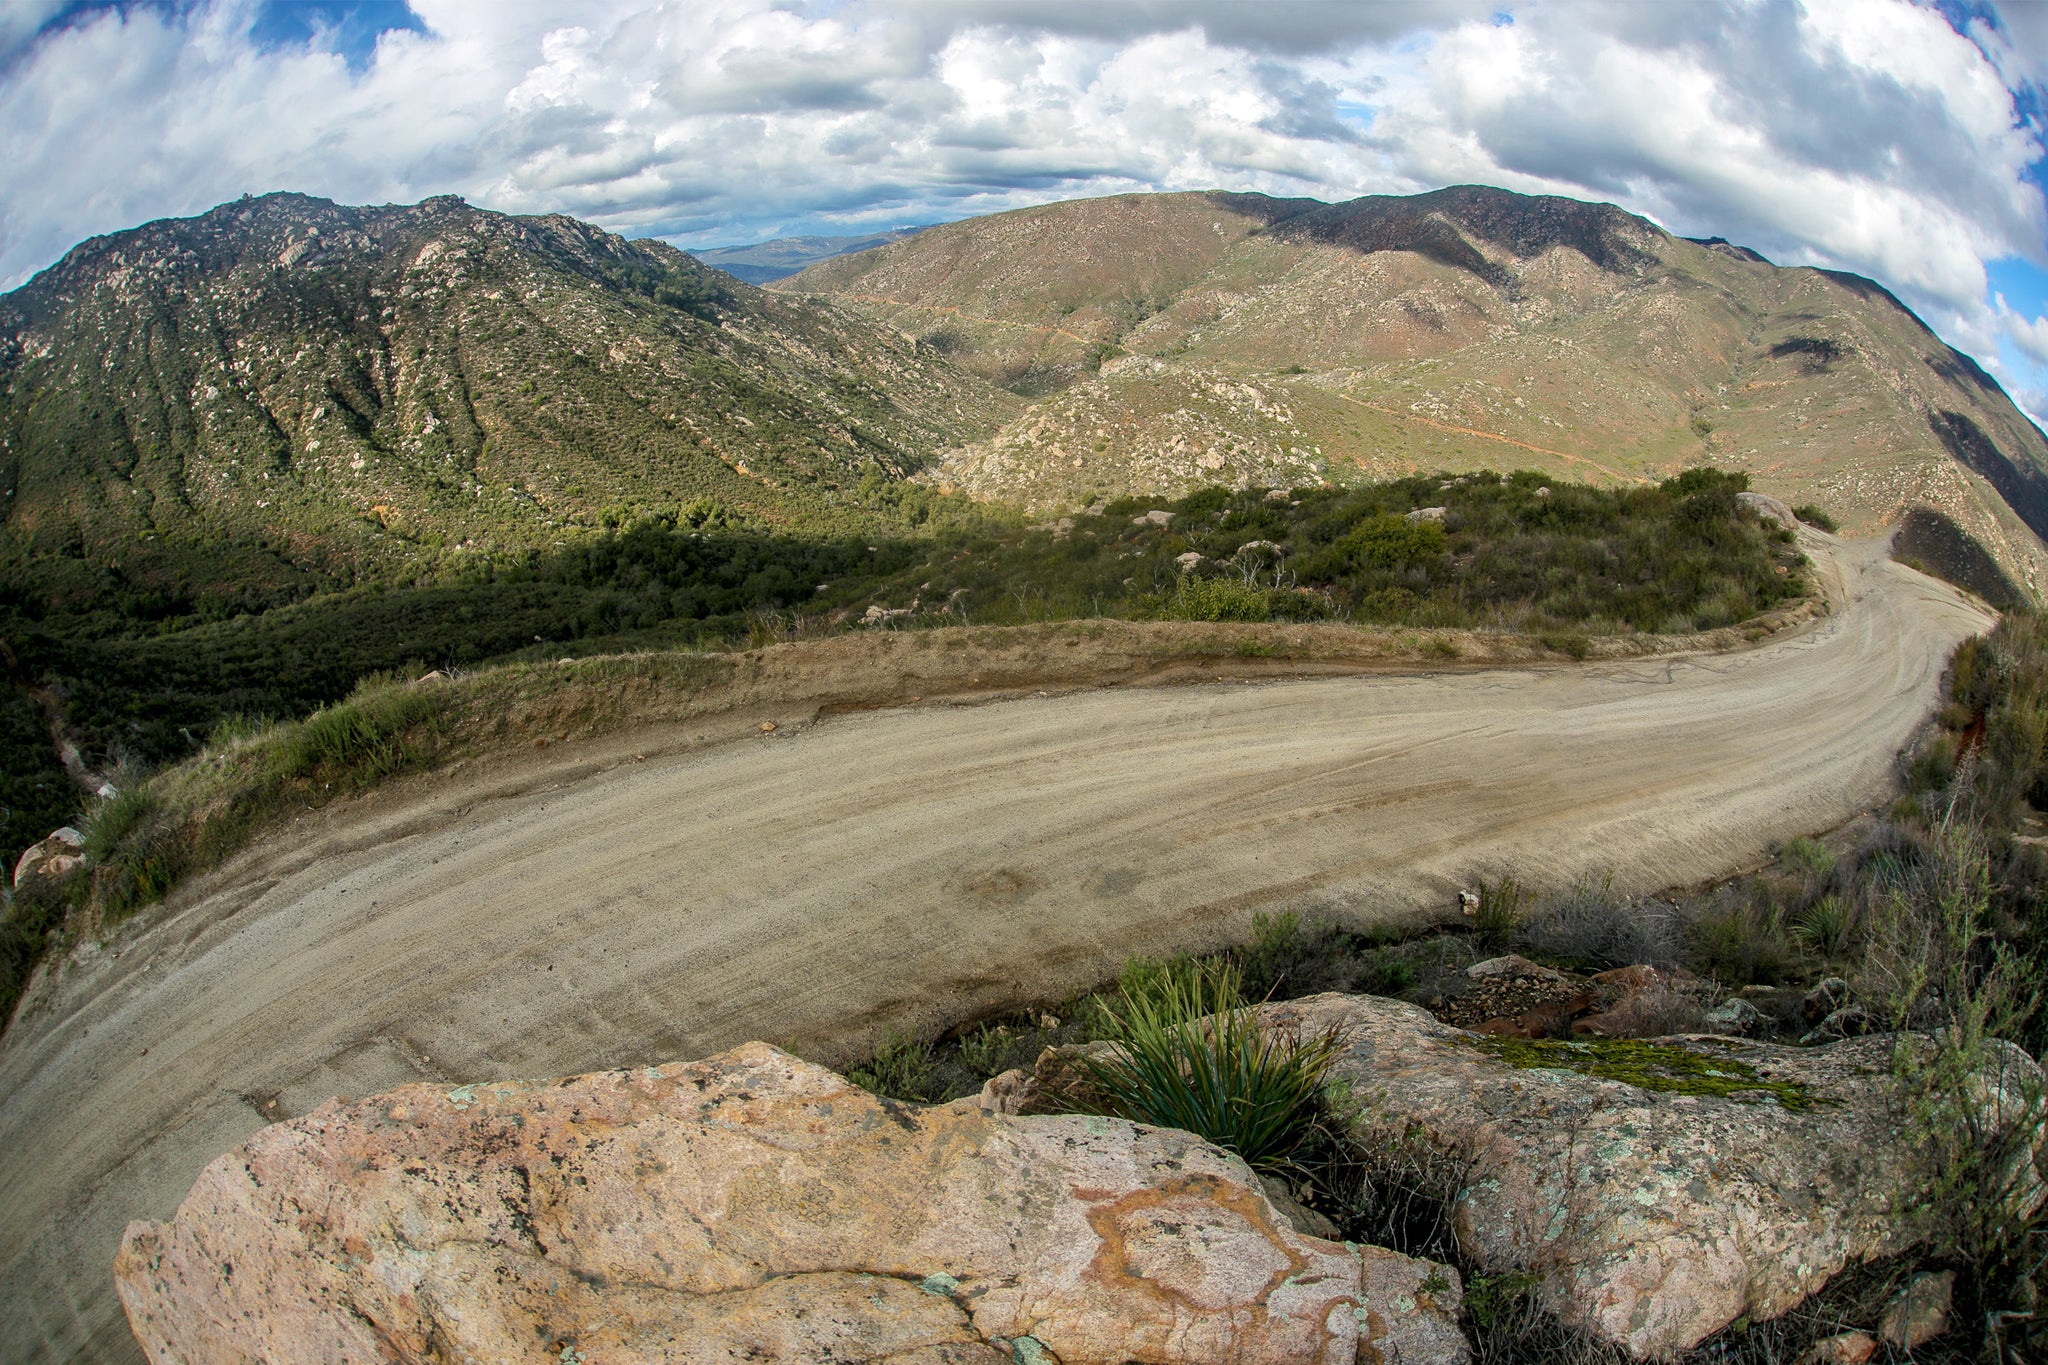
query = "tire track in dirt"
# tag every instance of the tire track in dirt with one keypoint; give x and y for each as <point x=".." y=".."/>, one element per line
<point x="898" y="866"/>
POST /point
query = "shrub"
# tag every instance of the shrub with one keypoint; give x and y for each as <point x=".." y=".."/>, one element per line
<point x="1192" y="1055"/>
<point x="1500" y="912"/>
<point x="1384" y="973"/>
<point x="993" y="1049"/>
<point x="902" y="1068"/>
<point x="1814" y="516"/>
<point x="1931" y="768"/>
<point x="116" y="820"/>
<point x="1287" y="959"/>
<point x="1806" y="856"/>
<point x="1825" y="926"/>
<point x="1972" y="1105"/>
<point x="1591" y="925"/>
<point x="1388" y="540"/>
<point x="1739" y="943"/>
<point x="1217" y="599"/>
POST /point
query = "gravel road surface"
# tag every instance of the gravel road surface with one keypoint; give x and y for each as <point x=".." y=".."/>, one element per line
<point x="814" y="885"/>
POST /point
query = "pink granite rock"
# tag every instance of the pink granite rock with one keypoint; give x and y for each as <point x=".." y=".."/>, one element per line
<point x="750" y="1206"/>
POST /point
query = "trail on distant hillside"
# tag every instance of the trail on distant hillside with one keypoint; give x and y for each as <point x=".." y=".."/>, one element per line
<point x="814" y="885"/>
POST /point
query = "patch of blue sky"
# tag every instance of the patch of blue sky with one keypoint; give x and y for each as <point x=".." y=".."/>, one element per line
<point x="1359" y="116"/>
<point x="2021" y="283"/>
<point x="349" y="28"/>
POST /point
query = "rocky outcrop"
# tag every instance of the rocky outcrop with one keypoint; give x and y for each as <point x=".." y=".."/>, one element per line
<point x="1767" y="508"/>
<point x="52" y="859"/>
<point x="750" y="1206"/>
<point x="1658" y="1190"/>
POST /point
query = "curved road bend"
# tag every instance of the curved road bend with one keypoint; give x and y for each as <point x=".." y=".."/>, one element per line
<point x="810" y="886"/>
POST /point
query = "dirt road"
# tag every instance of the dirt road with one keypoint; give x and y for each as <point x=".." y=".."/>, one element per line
<point x="813" y="884"/>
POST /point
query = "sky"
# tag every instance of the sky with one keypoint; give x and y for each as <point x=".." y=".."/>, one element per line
<point x="1901" y="140"/>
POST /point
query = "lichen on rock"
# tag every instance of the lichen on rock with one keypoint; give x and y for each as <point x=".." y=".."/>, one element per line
<point x="752" y="1205"/>
<point x="1653" y="1192"/>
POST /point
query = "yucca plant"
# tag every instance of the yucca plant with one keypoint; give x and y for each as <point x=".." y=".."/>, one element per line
<point x="1192" y="1055"/>
<point x="1825" y="926"/>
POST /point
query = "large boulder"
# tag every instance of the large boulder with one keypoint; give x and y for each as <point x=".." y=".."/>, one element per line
<point x="750" y="1206"/>
<point x="1656" y="1190"/>
<point x="52" y="859"/>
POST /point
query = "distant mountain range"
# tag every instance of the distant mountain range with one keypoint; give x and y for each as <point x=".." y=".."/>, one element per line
<point x="1169" y="340"/>
<point x="288" y="391"/>
<point x="417" y="425"/>
<point x="765" y="262"/>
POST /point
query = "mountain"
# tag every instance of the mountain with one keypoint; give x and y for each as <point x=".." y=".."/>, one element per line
<point x="285" y="393"/>
<point x="764" y="262"/>
<point x="1178" y="339"/>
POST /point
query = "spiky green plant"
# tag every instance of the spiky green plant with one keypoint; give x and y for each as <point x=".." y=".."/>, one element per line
<point x="1825" y="926"/>
<point x="1192" y="1055"/>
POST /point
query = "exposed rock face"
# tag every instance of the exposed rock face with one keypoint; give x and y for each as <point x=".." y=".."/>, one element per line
<point x="750" y="1206"/>
<point x="1652" y="1217"/>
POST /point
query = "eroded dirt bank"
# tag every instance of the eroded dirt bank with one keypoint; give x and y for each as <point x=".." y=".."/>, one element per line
<point x="814" y="884"/>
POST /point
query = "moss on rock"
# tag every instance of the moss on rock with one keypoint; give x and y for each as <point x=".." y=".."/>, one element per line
<point x="1659" y="1066"/>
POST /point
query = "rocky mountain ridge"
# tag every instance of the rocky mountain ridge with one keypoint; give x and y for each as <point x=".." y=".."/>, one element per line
<point x="288" y="387"/>
<point x="1187" y="338"/>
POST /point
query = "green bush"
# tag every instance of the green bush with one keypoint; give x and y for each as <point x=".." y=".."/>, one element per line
<point x="1973" y="1106"/>
<point x="1384" y="973"/>
<point x="1217" y="599"/>
<point x="1501" y="909"/>
<point x="117" y="820"/>
<point x="1388" y="541"/>
<point x="1287" y="959"/>
<point x="1740" y="943"/>
<point x="1825" y="926"/>
<point x="1192" y="1055"/>
<point x="903" y="1068"/>
<point x="1814" y="516"/>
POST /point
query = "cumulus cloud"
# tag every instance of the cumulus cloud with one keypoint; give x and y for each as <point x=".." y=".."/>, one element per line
<point x="1867" y="134"/>
<point x="2029" y="334"/>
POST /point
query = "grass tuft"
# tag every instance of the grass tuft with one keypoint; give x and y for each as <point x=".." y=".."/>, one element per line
<point x="1192" y="1055"/>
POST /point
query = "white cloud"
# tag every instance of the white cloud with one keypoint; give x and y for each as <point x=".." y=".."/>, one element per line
<point x="1865" y="134"/>
<point x="2029" y="334"/>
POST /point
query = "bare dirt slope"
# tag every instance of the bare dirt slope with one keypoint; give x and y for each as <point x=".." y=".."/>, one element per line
<point x="819" y="883"/>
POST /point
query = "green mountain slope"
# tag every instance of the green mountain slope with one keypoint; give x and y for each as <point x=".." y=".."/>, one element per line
<point x="285" y="393"/>
<point x="1193" y="338"/>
